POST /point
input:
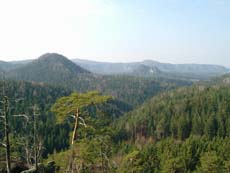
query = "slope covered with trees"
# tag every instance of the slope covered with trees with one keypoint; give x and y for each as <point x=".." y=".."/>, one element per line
<point x="189" y="111"/>
<point x="185" y="130"/>
<point x="49" y="68"/>
<point x="57" y="70"/>
<point x="22" y="97"/>
<point x="52" y="137"/>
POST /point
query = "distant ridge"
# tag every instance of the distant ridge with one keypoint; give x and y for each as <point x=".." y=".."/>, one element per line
<point x="147" y="71"/>
<point x="146" y="68"/>
<point x="61" y="62"/>
<point x="55" y="69"/>
<point x="197" y="71"/>
<point x="50" y="67"/>
<point x="7" y="66"/>
<point x="218" y="81"/>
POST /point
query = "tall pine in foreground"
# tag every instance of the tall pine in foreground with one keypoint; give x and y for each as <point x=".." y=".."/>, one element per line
<point x="72" y="106"/>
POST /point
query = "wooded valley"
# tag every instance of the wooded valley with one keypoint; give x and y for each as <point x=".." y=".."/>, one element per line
<point x="59" y="116"/>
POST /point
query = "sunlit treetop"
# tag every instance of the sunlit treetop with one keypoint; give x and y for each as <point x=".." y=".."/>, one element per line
<point x="71" y="104"/>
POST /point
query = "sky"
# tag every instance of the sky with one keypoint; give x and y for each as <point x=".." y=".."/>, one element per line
<point x="175" y="31"/>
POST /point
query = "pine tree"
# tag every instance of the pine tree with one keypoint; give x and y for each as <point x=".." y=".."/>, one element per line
<point x="73" y="105"/>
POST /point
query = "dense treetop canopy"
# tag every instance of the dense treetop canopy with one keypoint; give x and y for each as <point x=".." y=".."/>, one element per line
<point x="70" y="104"/>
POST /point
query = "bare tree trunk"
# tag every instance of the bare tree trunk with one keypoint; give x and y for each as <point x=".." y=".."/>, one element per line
<point x="35" y="140"/>
<point x="75" y="127"/>
<point x="72" y="167"/>
<point x="28" y="154"/>
<point x="8" y="167"/>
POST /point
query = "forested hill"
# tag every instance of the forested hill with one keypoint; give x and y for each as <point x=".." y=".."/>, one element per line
<point x="146" y="68"/>
<point x="24" y="95"/>
<point x="196" y="110"/>
<point x="222" y="80"/>
<point x="4" y="66"/>
<point x="57" y="70"/>
<point x="48" y="68"/>
<point x="185" y="130"/>
<point x="179" y="128"/>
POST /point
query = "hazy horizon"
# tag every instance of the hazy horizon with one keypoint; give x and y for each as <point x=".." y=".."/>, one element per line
<point x="169" y="31"/>
<point x="95" y="60"/>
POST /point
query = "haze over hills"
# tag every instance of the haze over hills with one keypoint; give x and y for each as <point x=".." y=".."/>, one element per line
<point x="158" y="102"/>
<point x="7" y="66"/>
<point x="142" y="80"/>
<point x="197" y="71"/>
<point x="150" y="103"/>
<point x="52" y="68"/>
<point x="146" y="71"/>
<point x="221" y="80"/>
<point x="146" y="68"/>
<point x="56" y="69"/>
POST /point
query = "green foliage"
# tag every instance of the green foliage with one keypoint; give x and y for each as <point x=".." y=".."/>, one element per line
<point x="76" y="101"/>
<point x="195" y="154"/>
<point x="181" y="113"/>
<point x="174" y="165"/>
<point x="22" y="96"/>
<point x="185" y="130"/>
<point x="56" y="69"/>
<point x="54" y="137"/>
<point x="132" y="162"/>
<point x="210" y="162"/>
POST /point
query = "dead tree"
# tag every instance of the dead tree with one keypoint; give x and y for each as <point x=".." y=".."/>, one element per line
<point x="35" y="137"/>
<point x="5" y="117"/>
<point x="32" y="150"/>
<point x="6" y="126"/>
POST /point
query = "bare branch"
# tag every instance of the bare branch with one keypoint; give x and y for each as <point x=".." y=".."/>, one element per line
<point x="72" y="116"/>
<point x="83" y="122"/>
<point x="22" y="116"/>
<point x="2" y="145"/>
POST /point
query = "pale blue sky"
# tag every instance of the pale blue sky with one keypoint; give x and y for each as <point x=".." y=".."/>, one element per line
<point x="175" y="31"/>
